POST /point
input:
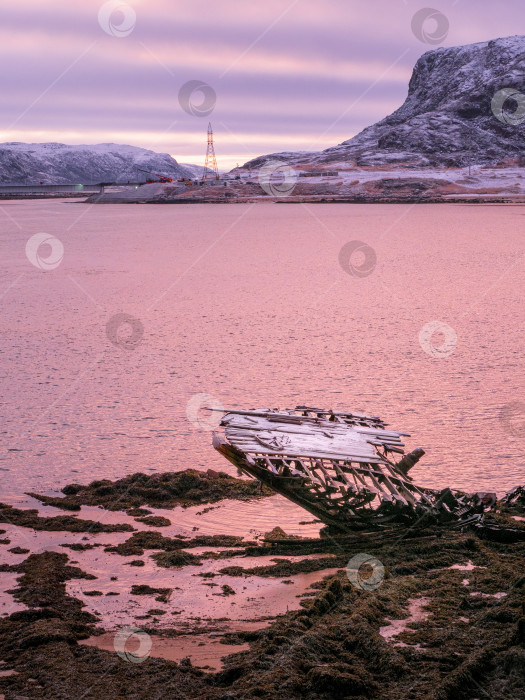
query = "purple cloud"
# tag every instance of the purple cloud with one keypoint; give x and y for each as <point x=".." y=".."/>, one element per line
<point x="283" y="72"/>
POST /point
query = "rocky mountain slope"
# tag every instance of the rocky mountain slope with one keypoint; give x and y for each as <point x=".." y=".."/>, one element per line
<point x="447" y="118"/>
<point x="56" y="163"/>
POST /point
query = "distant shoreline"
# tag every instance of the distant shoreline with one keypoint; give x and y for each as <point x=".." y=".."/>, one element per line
<point x="519" y="199"/>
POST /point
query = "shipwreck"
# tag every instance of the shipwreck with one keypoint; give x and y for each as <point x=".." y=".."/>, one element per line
<point x="348" y="470"/>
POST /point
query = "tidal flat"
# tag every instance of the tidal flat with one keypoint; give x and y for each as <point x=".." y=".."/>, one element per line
<point x="447" y="618"/>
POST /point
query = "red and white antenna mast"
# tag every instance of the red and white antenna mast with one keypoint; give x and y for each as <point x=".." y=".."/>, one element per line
<point x="211" y="160"/>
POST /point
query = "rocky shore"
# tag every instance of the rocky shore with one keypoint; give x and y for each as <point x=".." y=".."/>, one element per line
<point x="445" y="620"/>
<point x="348" y="184"/>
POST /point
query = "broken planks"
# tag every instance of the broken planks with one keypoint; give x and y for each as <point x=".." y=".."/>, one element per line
<point x="339" y="467"/>
<point x="335" y="465"/>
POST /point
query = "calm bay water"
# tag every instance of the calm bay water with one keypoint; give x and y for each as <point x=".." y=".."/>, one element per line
<point x="249" y="304"/>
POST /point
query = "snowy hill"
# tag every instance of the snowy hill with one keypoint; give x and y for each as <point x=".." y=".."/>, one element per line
<point x="197" y="170"/>
<point x="56" y="163"/>
<point x="447" y="118"/>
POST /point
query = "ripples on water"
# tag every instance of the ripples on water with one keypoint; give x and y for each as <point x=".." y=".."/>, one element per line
<point x="256" y="311"/>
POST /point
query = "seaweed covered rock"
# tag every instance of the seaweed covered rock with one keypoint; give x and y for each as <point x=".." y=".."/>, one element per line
<point x="186" y="488"/>
<point x="30" y="518"/>
<point x="45" y="631"/>
<point x="154" y="521"/>
<point x="42" y="585"/>
<point x="342" y="680"/>
<point x="143" y="540"/>
<point x="176" y="559"/>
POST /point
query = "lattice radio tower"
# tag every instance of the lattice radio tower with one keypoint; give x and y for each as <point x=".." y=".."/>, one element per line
<point x="211" y="160"/>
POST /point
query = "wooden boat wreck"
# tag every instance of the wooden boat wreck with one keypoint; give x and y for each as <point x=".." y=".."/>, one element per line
<point x="348" y="470"/>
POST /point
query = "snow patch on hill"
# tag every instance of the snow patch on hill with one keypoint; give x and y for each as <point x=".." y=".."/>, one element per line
<point x="447" y="118"/>
<point x="58" y="163"/>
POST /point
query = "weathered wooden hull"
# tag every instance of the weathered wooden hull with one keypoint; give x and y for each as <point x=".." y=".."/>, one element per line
<point x="285" y="486"/>
<point x="335" y="466"/>
<point x="339" y="468"/>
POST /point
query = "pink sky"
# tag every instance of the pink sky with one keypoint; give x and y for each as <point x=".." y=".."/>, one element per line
<point x="287" y="74"/>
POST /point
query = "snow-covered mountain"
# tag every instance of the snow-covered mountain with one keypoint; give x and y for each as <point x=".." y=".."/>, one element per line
<point x="57" y="163"/>
<point x="447" y="118"/>
<point x="197" y="170"/>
